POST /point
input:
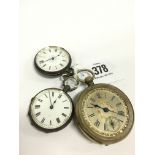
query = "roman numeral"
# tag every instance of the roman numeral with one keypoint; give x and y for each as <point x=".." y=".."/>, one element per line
<point x="97" y="123"/>
<point x="112" y="98"/>
<point x="92" y="99"/>
<point x="45" y="95"/>
<point x="89" y="107"/>
<point x="105" y="127"/>
<point x="91" y="115"/>
<point x="52" y="93"/>
<point x="105" y="95"/>
<point x="44" y="65"/>
<point x="66" y="107"/>
<point x="58" y="120"/>
<point x="64" y="101"/>
<point x="61" y="65"/>
<point x="41" y="61"/>
<point x="37" y="114"/>
<point x="98" y="95"/>
<point x="49" y="67"/>
<point x="118" y="104"/>
<point x="37" y="106"/>
<point x="121" y="113"/>
<point x="42" y="121"/>
<point x="59" y="95"/>
<point x="50" y="122"/>
<point x="40" y="100"/>
<point x="64" y="115"/>
<point x="120" y="120"/>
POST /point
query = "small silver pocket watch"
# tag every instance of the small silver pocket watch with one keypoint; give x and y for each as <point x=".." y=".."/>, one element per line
<point x="52" y="109"/>
<point x="53" y="61"/>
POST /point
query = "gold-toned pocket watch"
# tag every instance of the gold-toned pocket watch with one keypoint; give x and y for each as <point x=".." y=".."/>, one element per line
<point x="103" y="112"/>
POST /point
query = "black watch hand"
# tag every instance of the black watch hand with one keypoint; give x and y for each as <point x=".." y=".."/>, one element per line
<point x="105" y="109"/>
<point x="54" y="102"/>
<point x="96" y="106"/>
<point x="57" y="55"/>
<point x="49" y="59"/>
<point x="51" y="106"/>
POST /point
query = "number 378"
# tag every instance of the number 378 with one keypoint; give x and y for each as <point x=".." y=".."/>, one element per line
<point x="99" y="69"/>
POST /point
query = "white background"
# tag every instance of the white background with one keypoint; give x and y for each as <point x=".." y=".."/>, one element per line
<point x="144" y="48"/>
<point x="98" y="30"/>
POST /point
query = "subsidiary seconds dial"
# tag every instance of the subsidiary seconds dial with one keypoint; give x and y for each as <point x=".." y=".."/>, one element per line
<point x="52" y="60"/>
<point x="51" y="109"/>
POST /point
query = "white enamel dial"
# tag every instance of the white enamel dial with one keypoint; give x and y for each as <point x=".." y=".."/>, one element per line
<point x="51" y="108"/>
<point x="105" y="111"/>
<point x="52" y="59"/>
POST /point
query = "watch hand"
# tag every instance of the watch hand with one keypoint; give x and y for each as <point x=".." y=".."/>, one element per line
<point x="95" y="105"/>
<point x="54" y="102"/>
<point x="49" y="59"/>
<point x="57" y="55"/>
<point x="52" y="58"/>
<point x="51" y="107"/>
<point x="117" y="114"/>
<point x="105" y="109"/>
<point x="112" y="124"/>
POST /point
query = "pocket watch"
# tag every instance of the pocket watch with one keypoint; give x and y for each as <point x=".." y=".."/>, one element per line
<point x="103" y="112"/>
<point x="52" y="109"/>
<point x="53" y="61"/>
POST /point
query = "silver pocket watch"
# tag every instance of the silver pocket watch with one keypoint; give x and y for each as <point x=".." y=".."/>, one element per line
<point x="52" y="109"/>
<point x="53" y="61"/>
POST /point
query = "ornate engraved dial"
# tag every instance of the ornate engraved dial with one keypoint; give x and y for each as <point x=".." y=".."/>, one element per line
<point x="105" y="112"/>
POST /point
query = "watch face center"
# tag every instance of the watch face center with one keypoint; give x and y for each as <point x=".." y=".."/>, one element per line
<point x="51" y="107"/>
<point x="105" y="109"/>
